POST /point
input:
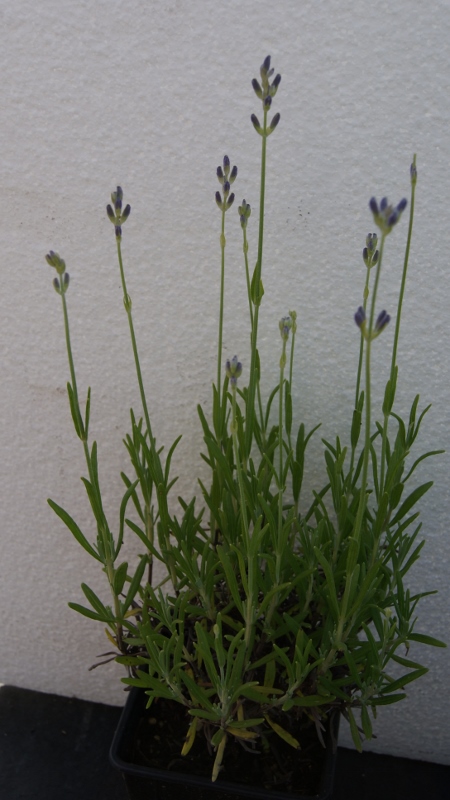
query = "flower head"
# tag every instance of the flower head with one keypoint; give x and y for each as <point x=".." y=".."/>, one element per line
<point x="266" y="91"/>
<point x="60" y="284"/>
<point x="115" y="213"/>
<point x="370" y="253"/>
<point x="233" y="369"/>
<point x="285" y="324"/>
<point x="385" y="215"/>
<point x="226" y="176"/>
<point x="244" y="213"/>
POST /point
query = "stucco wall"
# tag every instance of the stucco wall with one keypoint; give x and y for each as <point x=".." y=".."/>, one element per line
<point x="151" y="95"/>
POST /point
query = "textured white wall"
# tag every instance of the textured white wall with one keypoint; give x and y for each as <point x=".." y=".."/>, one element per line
<point x="151" y="95"/>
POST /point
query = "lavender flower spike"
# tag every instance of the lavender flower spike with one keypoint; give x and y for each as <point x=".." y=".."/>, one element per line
<point x="233" y="370"/>
<point x="386" y="216"/>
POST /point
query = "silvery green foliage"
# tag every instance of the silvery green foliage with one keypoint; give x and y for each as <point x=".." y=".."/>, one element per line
<point x="268" y="614"/>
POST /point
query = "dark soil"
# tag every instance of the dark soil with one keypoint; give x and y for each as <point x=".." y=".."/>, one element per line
<point x="275" y="766"/>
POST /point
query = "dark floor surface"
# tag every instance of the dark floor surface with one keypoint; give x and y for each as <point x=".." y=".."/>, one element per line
<point x="56" y="748"/>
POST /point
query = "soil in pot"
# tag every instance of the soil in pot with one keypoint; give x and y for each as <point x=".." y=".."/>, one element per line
<point x="276" y="769"/>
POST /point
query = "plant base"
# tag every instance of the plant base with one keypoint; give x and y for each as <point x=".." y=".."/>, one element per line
<point x="147" y="745"/>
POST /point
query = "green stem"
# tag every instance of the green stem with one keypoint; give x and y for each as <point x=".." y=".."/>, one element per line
<point x="103" y="530"/>
<point x="244" y="523"/>
<point x="368" y="413"/>
<point x="358" y="377"/>
<point x="247" y="276"/>
<point x="397" y="334"/>
<point x="158" y="474"/>
<point x="222" y="291"/>
<point x="256" y="298"/>
<point x="280" y="463"/>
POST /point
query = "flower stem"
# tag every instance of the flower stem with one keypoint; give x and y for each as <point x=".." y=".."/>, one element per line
<point x="256" y="298"/>
<point x="392" y="377"/>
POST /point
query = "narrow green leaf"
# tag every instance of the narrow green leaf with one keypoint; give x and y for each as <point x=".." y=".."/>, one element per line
<point x="169" y="458"/>
<point x="74" y="529"/>
<point x="387" y="700"/>
<point x="401" y="682"/>
<point x="354" y="731"/>
<point x="120" y="576"/>
<point x="123" y="507"/>
<point x="356" y="427"/>
<point x="422" y="458"/>
<point x="313" y="700"/>
<point x="95" y="601"/>
<point x="424" y="639"/>
<point x="288" y="409"/>
<point x="86" y="612"/>
<point x="413" y="498"/>
<point x="75" y="412"/>
<point x="330" y="582"/>
<point x="87" y="412"/>
<point x="366" y="722"/>
<point x="135" y="583"/>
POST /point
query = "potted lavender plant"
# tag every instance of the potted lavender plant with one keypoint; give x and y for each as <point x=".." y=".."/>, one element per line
<point x="275" y="618"/>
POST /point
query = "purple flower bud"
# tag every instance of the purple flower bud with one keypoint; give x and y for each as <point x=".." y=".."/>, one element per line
<point x="110" y="213"/>
<point x="119" y="193"/>
<point x="219" y="200"/>
<point x="257" y="88"/>
<point x="274" y="122"/>
<point x="118" y="204"/>
<point x="226" y="187"/>
<point x="220" y="174"/>
<point x="230" y="200"/>
<point x="267" y="102"/>
<point x="382" y="321"/>
<point x="373" y="205"/>
<point x="276" y="81"/>
<point x="56" y="285"/>
<point x="118" y="232"/>
<point x="226" y="165"/>
<point x="402" y="205"/>
<point x="366" y="256"/>
<point x="383" y="204"/>
<point x="126" y="212"/>
<point x="266" y="64"/>
<point x="255" y="122"/>
<point x="392" y="219"/>
<point x="371" y="241"/>
<point x="233" y="174"/>
<point x="360" y="317"/>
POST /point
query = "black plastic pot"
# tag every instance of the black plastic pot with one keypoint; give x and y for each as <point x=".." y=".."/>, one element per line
<point x="146" y="783"/>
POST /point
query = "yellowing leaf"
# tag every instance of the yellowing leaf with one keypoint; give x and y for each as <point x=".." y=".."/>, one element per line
<point x="241" y="733"/>
<point x="190" y="738"/>
<point x="283" y="734"/>
<point x="111" y="639"/>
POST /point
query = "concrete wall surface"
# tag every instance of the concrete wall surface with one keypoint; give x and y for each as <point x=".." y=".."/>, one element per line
<point x="150" y="94"/>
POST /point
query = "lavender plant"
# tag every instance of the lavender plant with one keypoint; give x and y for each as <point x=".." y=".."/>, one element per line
<point x="268" y="614"/>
